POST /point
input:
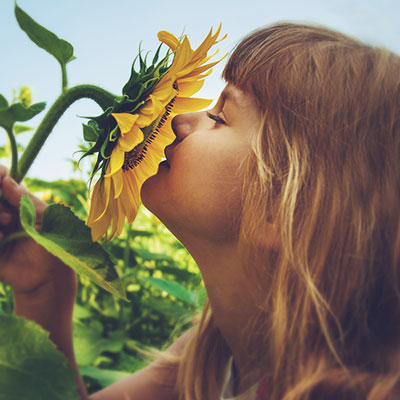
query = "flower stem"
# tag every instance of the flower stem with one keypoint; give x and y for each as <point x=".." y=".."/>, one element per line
<point x="14" y="151"/>
<point x="103" y="98"/>
<point x="127" y="248"/>
<point x="64" y="77"/>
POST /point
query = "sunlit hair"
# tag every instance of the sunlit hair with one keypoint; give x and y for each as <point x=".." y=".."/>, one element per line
<point x="325" y="169"/>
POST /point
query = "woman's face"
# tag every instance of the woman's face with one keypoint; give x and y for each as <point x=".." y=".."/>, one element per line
<point x="197" y="190"/>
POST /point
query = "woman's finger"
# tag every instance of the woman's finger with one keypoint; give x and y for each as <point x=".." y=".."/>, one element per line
<point x="3" y="172"/>
<point x="11" y="191"/>
<point x="5" y="218"/>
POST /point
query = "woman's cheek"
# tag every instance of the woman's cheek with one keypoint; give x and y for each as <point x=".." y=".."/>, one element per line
<point x="195" y="198"/>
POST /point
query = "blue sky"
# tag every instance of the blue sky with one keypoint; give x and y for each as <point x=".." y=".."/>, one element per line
<point x="106" y="37"/>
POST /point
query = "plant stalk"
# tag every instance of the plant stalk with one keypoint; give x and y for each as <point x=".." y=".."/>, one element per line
<point x="103" y="98"/>
<point x="64" y="83"/>
<point x="14" y="152"/>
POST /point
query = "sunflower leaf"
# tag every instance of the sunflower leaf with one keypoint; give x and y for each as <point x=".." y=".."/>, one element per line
<point x="104" y="376"/>
<point x="58" y="48"/>
<point x="173" y="288"/>
<point x="67" y="237"/>
<point x="3" y="102"/>
<point x="21" y="129"/>
<point x="90" y="133"/>
<point x="31" y="367"/>
<point x="18" y="112"/>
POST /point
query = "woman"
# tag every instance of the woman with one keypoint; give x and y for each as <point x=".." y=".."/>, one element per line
<point x="286" y="194"/>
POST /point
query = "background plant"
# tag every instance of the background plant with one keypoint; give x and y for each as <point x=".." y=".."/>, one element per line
<point x="161" y="282"/>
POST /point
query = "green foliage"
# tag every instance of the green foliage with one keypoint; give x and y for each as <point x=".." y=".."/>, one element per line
<point x="172" y="288"/>
<point x="59" y="48"/>
<point x="109" y="332"/>
<point x="21" y="129"/>
<point x="18" y="112"/>
<point x="67" y="237"/>
<point x="28" y="356"/>
<point x="105" y="377"/>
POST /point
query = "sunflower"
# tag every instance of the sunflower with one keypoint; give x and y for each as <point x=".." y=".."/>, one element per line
<point x="131" y="136"/>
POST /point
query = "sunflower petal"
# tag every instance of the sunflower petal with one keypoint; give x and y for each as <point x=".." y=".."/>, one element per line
<point x="187" y="89"/>
<point x="99" y="229"/>
<point x="131" y="139"/>
<point x="183" y="56"/>
<point x="125" y="121"/>
<point x="106" y="193"/>
<point x="116" y="161"/>
<point x="117" y="179"/>
<point x="187" y="104"/>
<point x="169" y="39"/>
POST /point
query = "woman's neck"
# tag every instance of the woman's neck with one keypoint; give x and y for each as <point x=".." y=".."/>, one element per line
<point x="234" y="303"/>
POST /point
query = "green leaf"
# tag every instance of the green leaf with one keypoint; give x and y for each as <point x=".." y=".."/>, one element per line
<point x="172" y="288"/>
<point x="89" y="343"/>
<point x="80" y="313"/>
<point x="4" y="152"/>
<point x="68" y="238"/>
<point x="90" y="133"/>
<point x="30" y="365"/>
<point x="21" y="129"/>
<point x="180" y="274"/>
<point x="59" y="48"/>
<point x="146" y="255"/>
<point x="3" y="102"/>
<point x="105" y="377"/>
<point x="18" y="112"/>
<point x="168" y="309"/>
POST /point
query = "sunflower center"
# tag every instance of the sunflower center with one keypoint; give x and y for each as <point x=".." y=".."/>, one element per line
<point x="134" y="157"/>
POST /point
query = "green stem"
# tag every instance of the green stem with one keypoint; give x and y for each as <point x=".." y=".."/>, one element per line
<point x="14" y="152"/>
<point x="13" y="236"/>
<point x="103" y="98"/>
<point x="64" y="77"/>
<point x="127" y="249"/>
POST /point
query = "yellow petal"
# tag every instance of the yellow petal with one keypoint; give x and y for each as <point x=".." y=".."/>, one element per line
<point x="105" y="193"/>
<point x="100" y="228"/>
<point x="203" y="68"/>
<point x="187" y="89"/>
<point x="145" y="119"/>
<point x="188" y="104"/>
<point x="182" y="57"/>
<point x="96" y="203"/>
<point x="169" y="39"/>
<point x="164" y="90"/>
<point x="118" y="183"/>
<point x="125" y="121"/>
<point x="131" y="139"/>
<point x="116" y="161"/>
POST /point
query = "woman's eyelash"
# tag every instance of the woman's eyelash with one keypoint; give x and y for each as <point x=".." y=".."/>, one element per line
<point x="216" y="118"/>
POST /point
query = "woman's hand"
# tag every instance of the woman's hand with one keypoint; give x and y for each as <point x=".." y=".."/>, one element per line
<point x="24" y="264"/>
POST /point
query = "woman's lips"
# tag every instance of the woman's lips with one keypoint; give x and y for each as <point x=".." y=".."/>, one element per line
<point x="168" y="155"/>
<point x="165" y="164"/>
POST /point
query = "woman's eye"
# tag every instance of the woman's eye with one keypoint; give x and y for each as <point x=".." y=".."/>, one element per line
<point x="216" y="118"/>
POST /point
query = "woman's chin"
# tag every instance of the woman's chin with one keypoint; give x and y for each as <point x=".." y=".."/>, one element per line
<point x="151" y="189"/>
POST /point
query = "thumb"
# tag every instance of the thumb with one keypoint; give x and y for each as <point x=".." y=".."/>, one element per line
<point x="11" y="191"/>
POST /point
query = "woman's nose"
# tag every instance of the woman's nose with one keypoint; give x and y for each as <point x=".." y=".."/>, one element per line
<point x="184" y="124"/>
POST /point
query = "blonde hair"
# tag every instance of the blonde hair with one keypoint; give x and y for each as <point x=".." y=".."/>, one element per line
<point x="325" y="169"/>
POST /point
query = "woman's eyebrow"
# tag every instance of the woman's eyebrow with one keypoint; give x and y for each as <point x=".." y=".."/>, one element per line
<point x="228" y="95"/>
